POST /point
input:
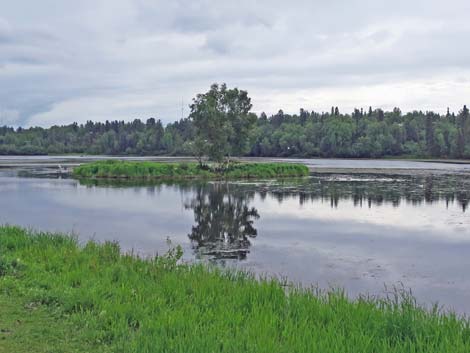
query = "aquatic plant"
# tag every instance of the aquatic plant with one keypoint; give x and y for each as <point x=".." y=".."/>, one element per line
<point x="159" y="170"/>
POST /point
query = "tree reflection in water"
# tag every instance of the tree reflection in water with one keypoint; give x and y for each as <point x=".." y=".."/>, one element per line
<point x="374" y="190"/>
<point x="224" y="222"/>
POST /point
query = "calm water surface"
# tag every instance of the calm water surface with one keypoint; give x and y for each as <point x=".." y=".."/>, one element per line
<point x="359" y="232"/>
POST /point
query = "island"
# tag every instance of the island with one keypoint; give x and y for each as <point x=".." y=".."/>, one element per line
<point x="117" y="169"/>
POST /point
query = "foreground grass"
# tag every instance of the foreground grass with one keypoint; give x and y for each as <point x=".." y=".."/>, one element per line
<point x="161" y="170"/>
<point x="26" y="327"/>
<point x="121" y="303"/>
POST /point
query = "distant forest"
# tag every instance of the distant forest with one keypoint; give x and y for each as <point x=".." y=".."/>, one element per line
<point x="361" y="134"/>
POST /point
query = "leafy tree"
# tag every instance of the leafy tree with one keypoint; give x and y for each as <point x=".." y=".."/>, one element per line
<point x="222" y="120"/>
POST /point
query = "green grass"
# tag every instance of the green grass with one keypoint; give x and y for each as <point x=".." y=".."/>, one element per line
<point x="28" y="327"/>
<point x="159" y="170"/>
<point x="121" y="303"/>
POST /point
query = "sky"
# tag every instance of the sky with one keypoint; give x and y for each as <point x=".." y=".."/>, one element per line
<point x="67" y="61"/>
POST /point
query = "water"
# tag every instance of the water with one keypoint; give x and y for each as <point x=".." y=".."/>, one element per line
<point x="383" y="164"/>
<point x="324" y="163"/>
<point x="355" y="231"/>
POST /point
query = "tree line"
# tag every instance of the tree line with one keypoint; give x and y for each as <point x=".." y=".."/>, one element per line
<point x="221" y="125"/>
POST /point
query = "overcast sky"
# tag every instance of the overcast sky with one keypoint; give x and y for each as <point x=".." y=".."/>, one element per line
<point x="63" y="61"/>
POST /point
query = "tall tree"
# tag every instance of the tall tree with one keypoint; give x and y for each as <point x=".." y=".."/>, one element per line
<point x="222" y="120"/>
<point x="430" y="136"/>
<point x="463" y="128"/>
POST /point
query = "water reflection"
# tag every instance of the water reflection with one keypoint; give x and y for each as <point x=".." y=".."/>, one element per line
<point x="352" y="231"/>
<point x="225" y="217"/>
<point x="374" y="190"/>
<point x="363" y="190"/>
<point x="224" y="222"/>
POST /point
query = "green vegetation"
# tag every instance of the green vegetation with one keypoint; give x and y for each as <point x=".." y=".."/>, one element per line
<point x="27" y="327"/>
<point x="221" y="125"/>
<point x="158" y="170"/>
<point x="121" y="303"/>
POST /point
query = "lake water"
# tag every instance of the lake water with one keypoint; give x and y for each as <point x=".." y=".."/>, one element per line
<point x="360" y="232"/>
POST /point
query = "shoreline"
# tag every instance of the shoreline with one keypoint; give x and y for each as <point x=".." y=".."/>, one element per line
<point x="65" y="158"/>
<point x="385" y="171"/>
<point x="314" y="164"/>
<point x="114" y="300"/>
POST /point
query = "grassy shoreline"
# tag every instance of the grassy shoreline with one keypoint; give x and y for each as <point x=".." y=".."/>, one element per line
<point x="25" y="328"/>
<point x="110" y="302"/>
<point x="113" y="169"/>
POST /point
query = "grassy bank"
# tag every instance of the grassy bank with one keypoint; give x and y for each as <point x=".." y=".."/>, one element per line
<point x="28" y="327"/>
<point x="120" y="303"/>
<point x="161" y="170"/>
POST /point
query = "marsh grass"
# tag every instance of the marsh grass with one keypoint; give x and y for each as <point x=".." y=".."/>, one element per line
<point x="159" y="170"/>
<point x="128" y="304"/>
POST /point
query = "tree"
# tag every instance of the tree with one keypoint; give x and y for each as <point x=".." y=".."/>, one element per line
<point x="461" y="142"/>
<point x="303" y="115"/>
<point x="263" y="117"/>
<point x="430" y="137"/>
<point x="357" y="116"/>
<point x="381" y="115"/>
<point x="222" y="122"/>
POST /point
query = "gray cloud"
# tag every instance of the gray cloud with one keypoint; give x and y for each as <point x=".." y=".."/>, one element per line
<point x="64" y="61"/>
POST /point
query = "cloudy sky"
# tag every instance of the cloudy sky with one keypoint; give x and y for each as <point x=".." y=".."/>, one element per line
<point x="63" y="61"/>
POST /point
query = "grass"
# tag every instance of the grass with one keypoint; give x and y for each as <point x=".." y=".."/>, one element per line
<point x="27" y="327"/>
<point x="121" y="303"/>
<point x="159" y="170"/>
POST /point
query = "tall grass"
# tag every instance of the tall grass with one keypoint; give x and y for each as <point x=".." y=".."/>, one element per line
<point x="129" y="304"/>
<point x="159" y="170"/>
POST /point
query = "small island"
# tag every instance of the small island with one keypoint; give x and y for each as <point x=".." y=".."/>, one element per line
<point x="223" y="125"/>
<point x="115" y="169"/>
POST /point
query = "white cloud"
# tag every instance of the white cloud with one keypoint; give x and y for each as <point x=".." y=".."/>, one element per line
<point x="64" y="61"/>
<point x="8" y="116"/>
